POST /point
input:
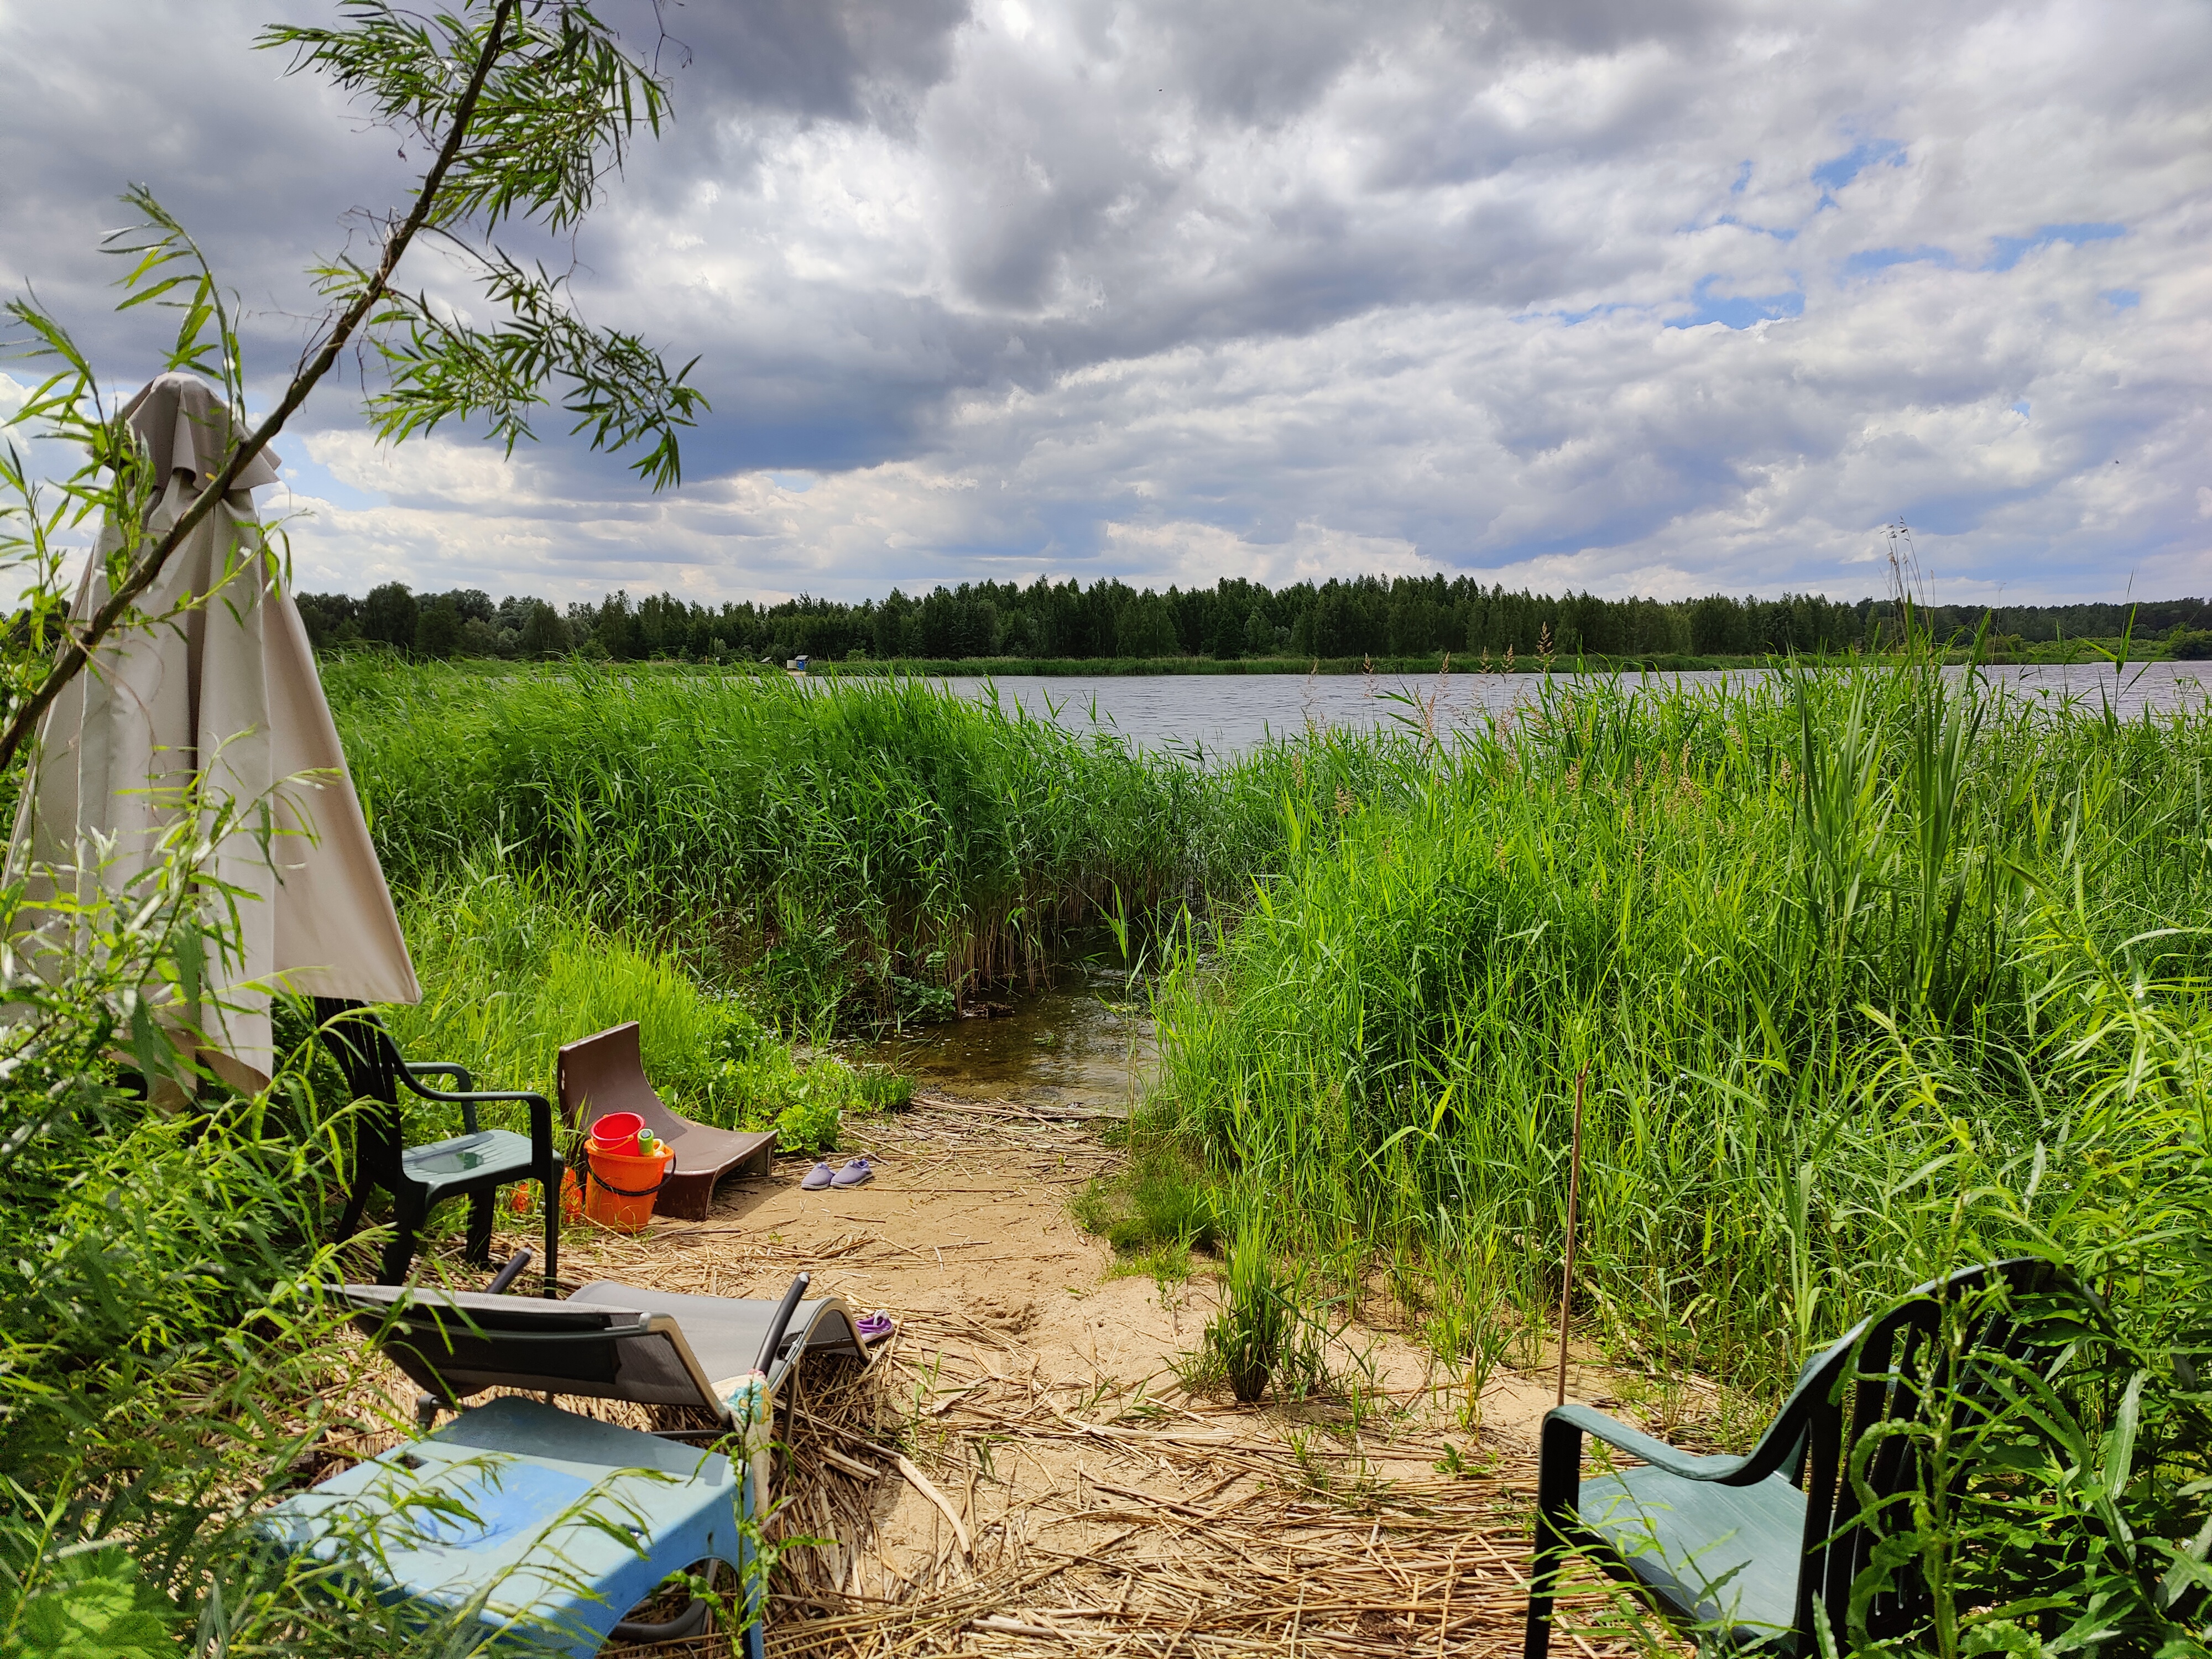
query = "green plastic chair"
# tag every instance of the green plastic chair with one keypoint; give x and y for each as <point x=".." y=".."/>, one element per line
<point x="474" y="1165"/>
<point x="1741" y="1549"/>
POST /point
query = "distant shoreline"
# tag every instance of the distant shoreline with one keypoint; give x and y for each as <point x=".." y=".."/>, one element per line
<point x="2080" y="652"/>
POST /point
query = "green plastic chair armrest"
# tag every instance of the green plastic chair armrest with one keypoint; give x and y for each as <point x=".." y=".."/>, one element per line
<point x="417" y="1068"/>
<point x="1690" y="1466"/>
<point x="541" y="1110"/>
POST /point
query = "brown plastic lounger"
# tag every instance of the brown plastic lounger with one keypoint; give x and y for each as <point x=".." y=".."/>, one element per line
<point x="604" y="1074"/>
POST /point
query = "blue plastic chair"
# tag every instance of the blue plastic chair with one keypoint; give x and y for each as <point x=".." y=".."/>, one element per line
<point x="1741" y="1550"/>
<point x="572" y="1521"/>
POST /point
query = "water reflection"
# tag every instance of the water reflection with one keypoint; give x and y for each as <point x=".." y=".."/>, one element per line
<point x="1082" y="1042"/>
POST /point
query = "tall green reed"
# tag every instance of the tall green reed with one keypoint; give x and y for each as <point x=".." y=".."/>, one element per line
<point x="1789" y="927"/>
<point x="841" y="848"/>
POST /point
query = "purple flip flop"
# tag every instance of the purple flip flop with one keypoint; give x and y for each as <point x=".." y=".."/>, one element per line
<point x="860" y="1170"/>
<point x="873" y="1326"/>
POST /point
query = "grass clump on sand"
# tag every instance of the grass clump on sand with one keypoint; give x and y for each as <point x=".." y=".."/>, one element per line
<point x="1162" y="1199"/>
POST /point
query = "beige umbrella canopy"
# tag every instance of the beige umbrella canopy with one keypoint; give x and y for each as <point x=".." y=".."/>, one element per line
<point x="219" y="703"/>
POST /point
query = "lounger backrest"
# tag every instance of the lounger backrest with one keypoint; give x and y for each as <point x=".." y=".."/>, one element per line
<point x="456" y="1344"/>
<point x="605" y="1072"/>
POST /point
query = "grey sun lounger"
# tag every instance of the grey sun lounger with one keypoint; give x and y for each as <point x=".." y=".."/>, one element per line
<point x="608" y="1341"/>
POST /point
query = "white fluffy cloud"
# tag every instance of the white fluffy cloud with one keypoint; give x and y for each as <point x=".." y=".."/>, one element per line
<point x="1663" y="298"/>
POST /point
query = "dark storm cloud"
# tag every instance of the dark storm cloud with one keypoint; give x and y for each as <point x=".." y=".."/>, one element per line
<point x="847" y="60"/>
<point x="1670" y="295"/>
<point x="262" y="167"/>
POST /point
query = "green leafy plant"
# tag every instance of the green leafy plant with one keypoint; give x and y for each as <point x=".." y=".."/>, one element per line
<point x="80" y="1603"/>
<point x="808" y="1125"/>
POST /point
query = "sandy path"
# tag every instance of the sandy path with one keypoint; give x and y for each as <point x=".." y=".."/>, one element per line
<point x="1101" y="1509"/>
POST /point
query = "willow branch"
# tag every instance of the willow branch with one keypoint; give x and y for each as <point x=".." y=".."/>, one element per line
<point x="78" y="652"/>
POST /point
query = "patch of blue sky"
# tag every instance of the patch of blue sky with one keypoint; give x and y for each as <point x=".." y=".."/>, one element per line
<point x="1736" y="311"/>
<point x="1833" y="175"/>
<point x="796" y="482"/>
<point x="1570" y="317"/>
<point x="1780" y="235"/>
<point x="1880" y="259"/>
<point x="1742" y="179"/>
<point x="2010" y="248"/>
<point x="2122" y="299"/>
<point x="2021" y="409"/>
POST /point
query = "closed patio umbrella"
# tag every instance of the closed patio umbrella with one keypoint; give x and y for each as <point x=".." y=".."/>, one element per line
<point x="223" y="698"/>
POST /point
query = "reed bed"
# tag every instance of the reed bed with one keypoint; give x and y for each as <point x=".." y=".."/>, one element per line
<point x="879" y="849"/>
<point x="1840" y="952"/>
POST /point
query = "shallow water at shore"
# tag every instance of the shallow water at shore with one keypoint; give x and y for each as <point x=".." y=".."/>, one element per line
<point x="1085" y="1040"/>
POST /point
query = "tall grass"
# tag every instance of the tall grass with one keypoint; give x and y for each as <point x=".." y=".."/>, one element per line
<point x="1818" y="941"/>
<point x="866" y="848"/>
<point x="512" y="967"/>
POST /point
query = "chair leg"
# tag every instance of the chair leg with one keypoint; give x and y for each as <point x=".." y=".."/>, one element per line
<point x="1543" y="1585"/>
<point x="350" y="1223"/>
<point x="478" y="1252"/>
<point x="1558" y="1486"/>
<point x="406" y="1220"/>
<point x="550" y="1190"/>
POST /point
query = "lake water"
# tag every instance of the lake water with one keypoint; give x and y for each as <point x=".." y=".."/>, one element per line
<point x="1230" y="713"/>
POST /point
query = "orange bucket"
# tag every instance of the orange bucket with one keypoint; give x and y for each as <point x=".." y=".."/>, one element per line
<point x="621" y="1188"/>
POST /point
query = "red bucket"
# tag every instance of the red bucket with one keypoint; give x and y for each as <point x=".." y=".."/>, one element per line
<point x="618" y="1132"/>
<point x="620" y="1188"/>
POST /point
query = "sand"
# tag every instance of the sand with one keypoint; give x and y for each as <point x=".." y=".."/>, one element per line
<point x="1031" y="1391"/>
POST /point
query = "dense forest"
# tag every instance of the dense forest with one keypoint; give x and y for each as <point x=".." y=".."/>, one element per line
<point x="1376" y="615"/>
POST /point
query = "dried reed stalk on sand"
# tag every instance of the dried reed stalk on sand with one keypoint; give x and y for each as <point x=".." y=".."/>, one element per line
<point x="1265" y="1544"/>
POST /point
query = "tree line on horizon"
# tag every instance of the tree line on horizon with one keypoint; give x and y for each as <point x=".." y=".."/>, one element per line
<point x="1358" y="616"/>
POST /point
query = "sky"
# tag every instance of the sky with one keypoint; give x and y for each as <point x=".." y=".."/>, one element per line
<point x="1654" y="296"/>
